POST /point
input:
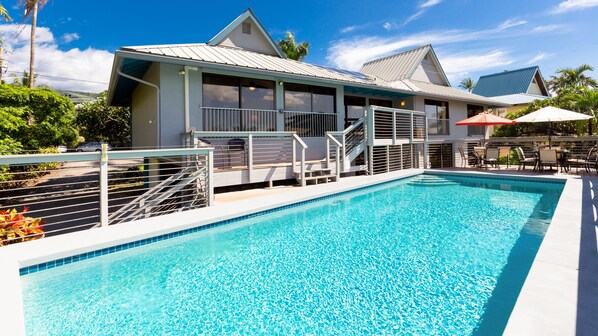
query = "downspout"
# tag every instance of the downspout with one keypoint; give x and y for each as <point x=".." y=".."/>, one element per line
<point x="120" y="73"/>
<point x="187" y="113"/>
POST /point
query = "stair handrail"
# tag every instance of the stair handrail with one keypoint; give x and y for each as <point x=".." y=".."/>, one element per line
<point x="343" y="134"/>
<point x="298" y="140"/>
<point x="337" y="147"/>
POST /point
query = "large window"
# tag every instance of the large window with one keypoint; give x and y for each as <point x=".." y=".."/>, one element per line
<point x="354" y="109"/>
<point x="438" y="117"/>
<point x="234" y="92"/>
<point x="238" y="104"/>
<point x="473" y="110"/>
<point x="307" y="98"/>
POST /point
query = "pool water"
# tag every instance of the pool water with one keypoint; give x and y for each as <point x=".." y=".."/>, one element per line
<point x="423" y="255"/>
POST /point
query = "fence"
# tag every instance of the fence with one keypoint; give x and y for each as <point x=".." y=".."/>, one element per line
<point x="77" y="191"/>
<point x="236" y="120"/>
<point x="309" y="124"/>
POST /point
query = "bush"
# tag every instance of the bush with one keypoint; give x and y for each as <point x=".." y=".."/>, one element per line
<point x="8" y="147"/>
<point x="48" y="165"/>
<point x="16" y="228"/>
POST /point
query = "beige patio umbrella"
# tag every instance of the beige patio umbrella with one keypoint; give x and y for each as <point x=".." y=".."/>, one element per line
<point x="549" y="114"/>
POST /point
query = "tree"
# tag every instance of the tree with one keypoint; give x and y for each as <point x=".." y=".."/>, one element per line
<point x="31" y="8"/>
<point x="36" y="117"/>
<point x="291" y="49"/>
<point x="467" y="84"/>
<point x="4" y="13"/>
<point x="21" y="81"/>
<point x="97" y="121"/>
<point x="572" y="79"/>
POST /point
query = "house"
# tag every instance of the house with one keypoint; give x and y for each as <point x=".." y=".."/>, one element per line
<point x="271" y="118"/>
<point x="516" y="88"/>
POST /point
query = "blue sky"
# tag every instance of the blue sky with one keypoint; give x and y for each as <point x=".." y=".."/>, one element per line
<point x="471" y="37"/>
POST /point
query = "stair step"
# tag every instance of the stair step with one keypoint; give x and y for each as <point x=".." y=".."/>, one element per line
<point x="320" y="179"/>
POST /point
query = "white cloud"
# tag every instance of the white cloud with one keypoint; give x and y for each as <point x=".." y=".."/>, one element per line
<point x="423" y="6"/>
<point x="430" y="3"/>
<point x="70" y="37"/>
<point x="389" y="25"/>
<point x="546" y="28"/>
<point x="510" y="23"/>
<point x="573" y="5"/>
<point x="347" y="29"/>
<point x="458" y="66"/>
<point x="91" y="65"/>
<point x="538" y="57"/>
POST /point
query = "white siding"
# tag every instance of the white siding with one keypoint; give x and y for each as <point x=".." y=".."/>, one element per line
<point x="256" y="41"/>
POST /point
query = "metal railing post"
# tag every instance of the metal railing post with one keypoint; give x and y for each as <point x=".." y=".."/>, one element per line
<point x="294" y="156"/>
<point x="338" y="164"/>
<point x="425" y="150"/>
<point x="104" y="186"/>
<point x="344" y="149"/>
<point x="394" y="127"/>
<point x="328" y="152"/>
<point x="250" y="159"/>
<point x="303" y="166"/>
<point x="411" y="127"/>
<point x="210" y="178"/>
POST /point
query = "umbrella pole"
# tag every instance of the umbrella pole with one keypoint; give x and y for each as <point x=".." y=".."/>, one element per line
<point x="484" y="143"/>
<point x="550" y="135"/>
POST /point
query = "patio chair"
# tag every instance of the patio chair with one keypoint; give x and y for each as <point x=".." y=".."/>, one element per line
<point x="463" y="159"/>
<point x="479" y="153"/>
<point x="505" y="152"/>
<point x="491" y="157"/>
<point x="587" y="161"/>
<point x="548" y="157"/>
<point x="523" y="160"/>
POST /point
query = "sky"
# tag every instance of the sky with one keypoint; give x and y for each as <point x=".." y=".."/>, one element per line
<point x="75" y="43"/>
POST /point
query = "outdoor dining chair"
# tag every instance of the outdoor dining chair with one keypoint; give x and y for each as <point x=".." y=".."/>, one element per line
<point x="479" y="153"/>
<point x="491" y="157"/>
<point x="523" y="160"/>
<point x="463" y="159"/>
<point x="548" y="157"/>
<point x="587" y="162"/>
<point x="505" y="152"/>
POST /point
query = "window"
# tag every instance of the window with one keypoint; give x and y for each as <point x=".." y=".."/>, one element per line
<point x="234" y="92"/>
<point x="473" y="110"/>
<point x="354" y="108"/>
<point x="380" y="102"/>
<point x="437" y="113"/>
<point x="307" y="98"/>
<point x="246" y="28"/>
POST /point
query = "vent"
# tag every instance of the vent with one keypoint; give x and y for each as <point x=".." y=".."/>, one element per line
<point x="246" y="28"/>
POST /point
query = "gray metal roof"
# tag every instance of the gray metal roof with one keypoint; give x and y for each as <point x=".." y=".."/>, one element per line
<point x="519" y="98"/>
<point x="204" y="55"/>
<point x="396" y="67"/>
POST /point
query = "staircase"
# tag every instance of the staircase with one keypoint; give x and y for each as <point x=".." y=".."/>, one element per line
<point x="181" y="191"/>
<point x="354" y="143"/>
<point x="317" y="176"/>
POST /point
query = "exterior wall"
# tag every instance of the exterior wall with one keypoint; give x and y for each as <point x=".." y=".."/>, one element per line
<point x="534" y="88"/>
<point x="427" y="72"/>
<point x="255" y="41"/>
<point x="145" y="111"/>
<point x="172" y="104"/>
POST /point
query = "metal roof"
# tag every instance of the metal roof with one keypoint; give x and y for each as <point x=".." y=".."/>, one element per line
<point x="398" y="66"/>
<point x="519" y="98"/>
<point x="205" y="55"/>
<point x="507" y="82"/>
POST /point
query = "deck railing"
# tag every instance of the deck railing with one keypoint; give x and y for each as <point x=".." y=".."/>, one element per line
<point x="236" y="120"/>
<point x="397" y="125"/>
<point x="353" y="138"/>
<point x="76" y="191"/>
<point x="249" y="150"/>
<point x="310" y="124"/>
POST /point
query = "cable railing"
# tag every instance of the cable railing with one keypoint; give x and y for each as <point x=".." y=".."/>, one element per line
<point x="43" y="195"/>
<point x="248" y="151"/>
<point x="352" y="141"/>
<point x="237" y="120"/>
<point x="310" y="124"/>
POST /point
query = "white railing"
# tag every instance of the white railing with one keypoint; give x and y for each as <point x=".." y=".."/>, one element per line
<point x="396" y="125"/>
<point x="237" y="120"/>
<point x="330" y="139"/>
<point x="249" y="150"/>
<point x="353" y="141"/>
<point x="297" y="141"/>
<point x="310" y="124"/>
<point x="76" y="191"/>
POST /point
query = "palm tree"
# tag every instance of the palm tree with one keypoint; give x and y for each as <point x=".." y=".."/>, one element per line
<point x="4" y="13"/>
<point x="31" y="8"/>
<point x="291" y="49"/>
<point x="467" y="84"/>
<point x="572" y="79"/>
<point x="21" y="80"/>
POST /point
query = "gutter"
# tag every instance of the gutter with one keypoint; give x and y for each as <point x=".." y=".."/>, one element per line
<point x="120" y="73"/>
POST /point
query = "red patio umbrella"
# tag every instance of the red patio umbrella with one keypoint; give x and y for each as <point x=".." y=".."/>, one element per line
<point x="485" y="119"/>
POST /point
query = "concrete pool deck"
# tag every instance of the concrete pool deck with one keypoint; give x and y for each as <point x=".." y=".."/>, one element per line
<point x="560" y="296"/>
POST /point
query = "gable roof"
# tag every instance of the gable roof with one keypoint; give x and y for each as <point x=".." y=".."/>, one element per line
<point x="248" y="14"/>
<point x="509" y="82"/>
<point x="403" y="65"/>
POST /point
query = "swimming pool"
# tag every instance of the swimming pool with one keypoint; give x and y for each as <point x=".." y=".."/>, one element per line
<point x="417" y="255"/>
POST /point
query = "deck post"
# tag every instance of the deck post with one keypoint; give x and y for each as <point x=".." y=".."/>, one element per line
<point x="294" y="157"/>
<point x="210" y="177"/>
<point x="411" y="128"/>
<point x="328" y="152"/>
<point x="426" y="144"/>
<point x="250" y="158"/>
<point x="394" y="127"/>
<point x="303" y="166"/>
<point x="338" y="164"/>
<point x="104" y="186"/>
<point x="387" y="159"/>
